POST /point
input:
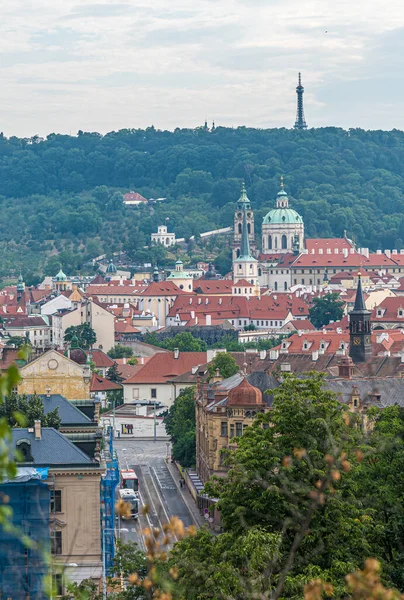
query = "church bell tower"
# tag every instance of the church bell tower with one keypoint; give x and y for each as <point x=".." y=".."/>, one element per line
<point x="360" y="329"/>
<point x="243" y="204"/>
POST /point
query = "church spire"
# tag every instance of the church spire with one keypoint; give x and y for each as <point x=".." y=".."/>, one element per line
<point x="300" y="120"/>
<point x="243" y="201"/>
<point x="359" y="300"/>
<point x="245" y="242"/>
<point x="360" y="328"/>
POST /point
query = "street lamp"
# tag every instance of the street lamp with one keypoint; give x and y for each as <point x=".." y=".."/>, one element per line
<point x="104" y="559"/>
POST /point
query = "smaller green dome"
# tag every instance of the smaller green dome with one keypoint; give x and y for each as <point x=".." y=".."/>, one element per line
<point x="61" y="276"/>
<point x="111" y="267"/>
<point x="280" y="216"/>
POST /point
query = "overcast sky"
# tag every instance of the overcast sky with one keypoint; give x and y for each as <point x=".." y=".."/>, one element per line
<point x="85" y="64"/>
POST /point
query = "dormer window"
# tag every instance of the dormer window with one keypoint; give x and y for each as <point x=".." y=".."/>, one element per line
<point x="400" y="312"/>
<point x="379" y="313"/>
<point x="305" y="346"/>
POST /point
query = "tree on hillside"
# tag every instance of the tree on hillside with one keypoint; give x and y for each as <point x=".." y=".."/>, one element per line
<point x="226" y="364"/>
<point x="185" y="342"/>
<point x="326" y="309"/>
<point x="23" y="411"/>
<point x="119" y="351"/>
<point x="85" y="335"/>
<point x="181" y="427"/>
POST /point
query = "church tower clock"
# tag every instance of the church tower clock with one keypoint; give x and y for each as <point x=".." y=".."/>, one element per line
<point x="360" y="329"/>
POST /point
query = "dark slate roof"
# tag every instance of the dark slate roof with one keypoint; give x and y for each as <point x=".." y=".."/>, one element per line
<point x="53" y="449"/>
<point x="70" y="414"/>
<point x="263" y="382"/>
<point x="391" y="389"/>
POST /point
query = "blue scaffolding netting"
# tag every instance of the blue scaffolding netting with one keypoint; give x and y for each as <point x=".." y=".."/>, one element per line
<point x="23" y="568"/>
<point x="108" y="487"/>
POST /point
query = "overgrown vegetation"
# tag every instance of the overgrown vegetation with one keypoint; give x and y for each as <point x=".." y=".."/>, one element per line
<point x="64" y="193"/>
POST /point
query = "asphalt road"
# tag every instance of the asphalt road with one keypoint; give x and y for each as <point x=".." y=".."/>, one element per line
<point x="157" y="488"/>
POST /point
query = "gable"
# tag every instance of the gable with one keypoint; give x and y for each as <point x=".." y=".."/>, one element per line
<point x="52" y="364"/>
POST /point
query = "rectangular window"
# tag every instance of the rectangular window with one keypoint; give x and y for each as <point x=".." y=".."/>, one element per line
<point x="311" y="282"/>
<point x="232" y="431"/>
<point x="56" y="501"/>
<point x="56" y="543"/>
<point x="302" y="281"/>
<point x="295" y="282"/>
<point x="58" y="584"/>
<point x="239" y="429"/>
<point x="223" y="428"/>
<point x="135" y="393"/>
<point x="154" y="393"/>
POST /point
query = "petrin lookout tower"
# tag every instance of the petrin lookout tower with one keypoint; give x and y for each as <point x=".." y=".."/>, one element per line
<point x="300" y="120"/>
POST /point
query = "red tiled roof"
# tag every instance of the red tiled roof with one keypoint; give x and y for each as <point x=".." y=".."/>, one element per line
<point x="163" y="366"/>
<point x="164" y="288"/>
<point x="213" y="286"/>
<point x="124" y="327"/>
<point x="389" y="307"/>
<point x="134" y="197"/>
<point x="24" y="321"/>
<point x="324" y="243"/>
<point x="100" y="384"/>
<point x="100" y="359"/>
<point x="242" y="282"/>
<point x="303" y="325"/>
<point x="108" y="290"/>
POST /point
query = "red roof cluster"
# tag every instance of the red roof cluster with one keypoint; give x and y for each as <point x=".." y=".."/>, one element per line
<point x="163" y="366"/>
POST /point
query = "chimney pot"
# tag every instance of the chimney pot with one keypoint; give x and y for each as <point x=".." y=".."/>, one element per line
<point x="176" y="353"/>
<point x="37" y="430"/>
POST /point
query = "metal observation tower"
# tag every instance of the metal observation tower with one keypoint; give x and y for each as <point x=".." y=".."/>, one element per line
<point x="300" y="120"/>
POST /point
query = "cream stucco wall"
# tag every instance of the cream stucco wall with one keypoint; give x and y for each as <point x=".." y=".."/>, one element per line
<point x="79" y="520"/>
<point x="58" y="373"/>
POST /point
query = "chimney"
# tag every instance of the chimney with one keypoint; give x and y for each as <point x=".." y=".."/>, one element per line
<point x="190" y="300"/>
<point x="208" y="320"/>
<point x="345" y="252"/>
<point x="176" y="353"/>
<point x="300" y="333"/>
<point x="387" y="253"/>
<point x="141" y="360"/>
<point x="124" y="360"/>
<point x="37" y="430"/>
<point x="314" y="355"/>
<point x="220" y="301"/>
<point x="192" y="314"/>
<point x="274" y="354"/>
<point x="263" y="354"/>
<point x="207" y="301"/>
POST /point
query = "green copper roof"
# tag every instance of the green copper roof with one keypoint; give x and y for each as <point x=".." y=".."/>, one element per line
<point x="245" y="253"/>
<point x="278" y="216"/>
<point x="111" y="267"/>
<point x="243" y="201"/>
<point x="61" y="276"/>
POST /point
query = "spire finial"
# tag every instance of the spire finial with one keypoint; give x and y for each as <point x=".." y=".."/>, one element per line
<point x="282" y="182"/>
<point x="300" y="78"/>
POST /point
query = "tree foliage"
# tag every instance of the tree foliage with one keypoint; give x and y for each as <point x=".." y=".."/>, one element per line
<point x="225" y="363"/>
<point x="64" y="192"/>
<point x="22" y="411"/>
<point x="84" y="333"/>
<point x="119" y="351"/>
<point x="325" y="309"/>
<point x="180" y="425"/>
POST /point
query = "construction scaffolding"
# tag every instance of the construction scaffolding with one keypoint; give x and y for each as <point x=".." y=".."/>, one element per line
<point x="108" y="486"/>
<point x="22" y="566"/>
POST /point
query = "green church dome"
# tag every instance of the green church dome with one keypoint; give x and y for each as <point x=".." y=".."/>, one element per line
<point x="60" y="276"/>
<point x="278" y="216"/>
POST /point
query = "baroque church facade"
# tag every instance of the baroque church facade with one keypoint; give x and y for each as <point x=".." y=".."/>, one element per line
<point x="282" y="240"/>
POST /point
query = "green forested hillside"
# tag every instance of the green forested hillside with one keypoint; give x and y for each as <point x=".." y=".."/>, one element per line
<point x="61" y="194"/>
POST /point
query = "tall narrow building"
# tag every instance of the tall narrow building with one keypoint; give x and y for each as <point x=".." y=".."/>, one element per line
<point x="300" y="120"/>
<point x="360" y="346"/>
<point x="243" y="203"/>
<point x="245" y="266"/>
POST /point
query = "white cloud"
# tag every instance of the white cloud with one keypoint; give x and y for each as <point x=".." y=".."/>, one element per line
<point x="88" y="64"/>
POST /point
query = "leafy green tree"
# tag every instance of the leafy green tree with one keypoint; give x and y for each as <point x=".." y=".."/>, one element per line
<point x="185" y="342"/>
<point x="23" y="411"/>
<point x="225" y="363"/>
<point x="84" y="333"/>
<point x="325" y="309"/>
<point x="181" y="427"/>
<point x="113" y="373"/>
<point x="119" y="351"/>
<point x="18" y="341"/>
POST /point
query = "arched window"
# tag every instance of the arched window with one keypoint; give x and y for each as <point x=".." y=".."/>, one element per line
<point x="284" y="242"/>
<point x="276" y="286"/>
<point x="239" y="228"/>
<point x="270" y="242"/>
<point x="259" y="272"/>
<point x="276" y="243"/>
<point x="285" y="286"/>
<point x="291" y="241"/>
<point x="249" y="228"/>
<point x="238" y="252"/>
